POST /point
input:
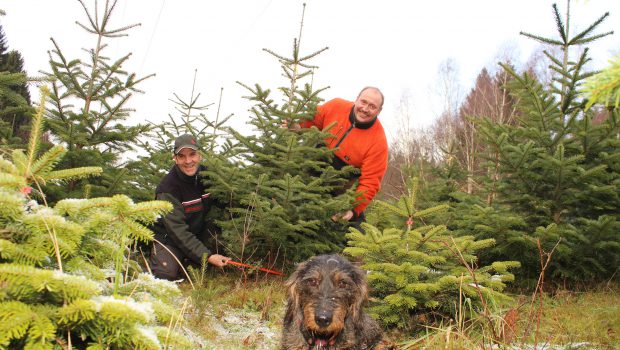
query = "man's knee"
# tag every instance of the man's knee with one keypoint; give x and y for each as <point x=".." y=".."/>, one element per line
<point x="163" y="263"/>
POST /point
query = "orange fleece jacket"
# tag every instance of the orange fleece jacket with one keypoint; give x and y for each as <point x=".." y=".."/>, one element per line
<point x="363" y="147"/>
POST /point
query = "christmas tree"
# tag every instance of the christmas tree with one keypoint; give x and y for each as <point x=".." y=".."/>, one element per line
<point x="278" y="182"/>
<point x="65" y="271"/>
<point x="14" y="96"/>
<point x="88" y="109"/>
<point x="559" y="163"/>
<point x="422" y="270"/>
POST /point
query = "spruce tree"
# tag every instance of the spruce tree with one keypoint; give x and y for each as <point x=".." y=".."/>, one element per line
<point x="559" y="164"/>
<point x="67" y="280"/>
<point x="277" y="182"/>
<point x="419" y="270"/>
<point x="14" y="96"/>
<point x="88" y="110"/>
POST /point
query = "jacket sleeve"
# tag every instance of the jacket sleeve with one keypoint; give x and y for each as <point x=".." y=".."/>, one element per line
<point x="319" y="117"/>
<point x="178" y="230"/>
<point x="371" y="174"/>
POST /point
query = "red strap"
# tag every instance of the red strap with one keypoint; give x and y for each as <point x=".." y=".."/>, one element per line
<point x="274" y="272"/>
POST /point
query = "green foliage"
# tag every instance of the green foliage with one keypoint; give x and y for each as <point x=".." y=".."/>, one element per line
<point x="471" y="216"/>
<point x="418" y="269"/>
<point x="278" y="182"/>
<point x="25" y="169"/>
<point x="559" y="168"/>
<point x="14" y="96"/>
<point x="88" y="110"/>
<point x="604" y="87"/>
<point x="66" y="272"/>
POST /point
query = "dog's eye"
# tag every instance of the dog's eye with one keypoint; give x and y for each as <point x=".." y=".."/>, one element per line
<point x="342" y="284"/>
<point x="312" y="282"/>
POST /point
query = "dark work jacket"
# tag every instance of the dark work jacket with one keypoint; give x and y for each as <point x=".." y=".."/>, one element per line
<point x="185" y="226"/>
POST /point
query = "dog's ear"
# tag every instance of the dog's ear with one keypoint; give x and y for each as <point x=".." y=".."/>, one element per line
<point x="362" y="295"/>
<point x="292" y="291"/>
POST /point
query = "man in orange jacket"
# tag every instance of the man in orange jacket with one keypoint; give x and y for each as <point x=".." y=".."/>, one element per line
<point x="359" y="140"/>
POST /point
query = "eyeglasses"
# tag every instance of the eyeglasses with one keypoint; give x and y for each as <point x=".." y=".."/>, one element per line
<point x="371" y="107"/>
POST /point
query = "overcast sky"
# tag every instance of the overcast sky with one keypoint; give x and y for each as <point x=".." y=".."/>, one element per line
<point x="397" y="46"/>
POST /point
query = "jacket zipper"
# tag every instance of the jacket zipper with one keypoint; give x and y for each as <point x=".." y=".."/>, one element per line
<point x="345" y="134"/>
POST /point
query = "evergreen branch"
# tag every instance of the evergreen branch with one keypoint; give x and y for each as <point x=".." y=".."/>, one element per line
<point x="552" y="58"/>
<point x="148" y="212"/>
<point x="7" y="167"/>
<point x="10" y="210"/>
<point x="90" y="19"/>
<point x="559" y="24"/>
<point x="599" y="169"/>
<point x="312" y="55"/>
<point x="279" y="57"/>
<point x="592" y="38"/>
<point x="542" y="39"/>
<point x="572" y="92"/>
<point x="577" y="39"/>
<point x="47" y="161"/>
<point x="21" y="316"/>
<point x="114" y="33"/>
<point x="111" y="114"/>
<point x="35" y="130"/>
<point x="42" y="329"/>
<point x="68" y="79"/>
<point x="12" y="181"/>
<point x="60" y="286"/>
<point x="396" y="210"/>
<point x="136" y="231"/>
<point x="86" y="28"/>
<point x="74" y="173"/>
<point x="430" y="211"/>
<point x="20" y="161"/>
<point x="604" y="87"/>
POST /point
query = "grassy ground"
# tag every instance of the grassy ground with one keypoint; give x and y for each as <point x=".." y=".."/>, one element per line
<point x="565" y="320"/>
<point x="227" y="312"/>
<point x="573" y="317"/>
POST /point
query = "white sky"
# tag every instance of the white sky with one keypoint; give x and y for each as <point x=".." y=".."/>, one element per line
<point x="394" y="45"/>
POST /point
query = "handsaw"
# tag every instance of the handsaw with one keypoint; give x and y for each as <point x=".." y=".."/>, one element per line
<point x="273" y="272"/>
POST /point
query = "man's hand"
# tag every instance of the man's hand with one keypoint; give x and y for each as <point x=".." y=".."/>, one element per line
<point x="217" y="260"/>
<point x="346" y="216"/>
<point x="292" y="127"/>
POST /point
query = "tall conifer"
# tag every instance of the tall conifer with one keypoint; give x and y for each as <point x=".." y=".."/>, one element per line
<point x="559" y="163"/>
<point x="278" y="182"/>
<point x="88" y="111"/>
<point x="14" y="96"/>
<point x="67" y="280"/>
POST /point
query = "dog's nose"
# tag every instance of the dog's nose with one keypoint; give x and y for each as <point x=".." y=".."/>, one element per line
<point x="323" y="319"/>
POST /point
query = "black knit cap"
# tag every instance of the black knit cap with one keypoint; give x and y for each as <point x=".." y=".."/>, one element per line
<point x="185" y="141"/>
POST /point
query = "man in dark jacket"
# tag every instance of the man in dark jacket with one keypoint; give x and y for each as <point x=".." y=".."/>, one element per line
<point x="182" y="231"/>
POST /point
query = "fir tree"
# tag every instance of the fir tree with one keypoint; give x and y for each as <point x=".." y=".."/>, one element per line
<point x="559" y="167"/>
<point x="422" y="269"/>
<point x="88" y="109"/>
<point x="66" y="274"/>
<point x="278" y="182"/>
<point x="14" y="96"/>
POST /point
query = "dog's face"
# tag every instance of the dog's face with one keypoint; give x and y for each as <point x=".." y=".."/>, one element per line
<point x="328" y="290"/>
